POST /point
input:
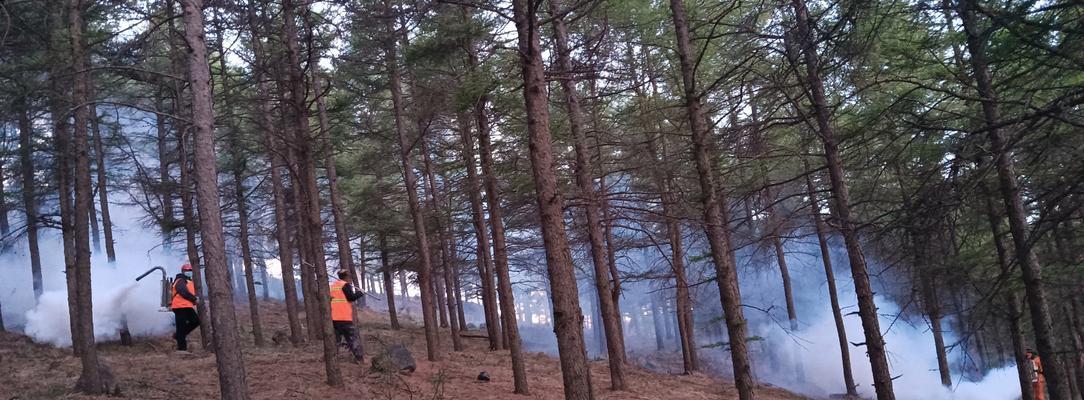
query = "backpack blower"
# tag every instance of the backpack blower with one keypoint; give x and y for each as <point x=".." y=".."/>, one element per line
<point x="167" y="287"/>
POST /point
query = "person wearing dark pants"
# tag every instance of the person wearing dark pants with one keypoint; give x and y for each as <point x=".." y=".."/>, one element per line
<point x="342" y="315"/>
<point x="184" y="307"/>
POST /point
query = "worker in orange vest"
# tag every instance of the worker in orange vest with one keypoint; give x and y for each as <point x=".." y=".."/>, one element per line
<point x="1038" y="380"/>
<point x="184" y="306"/>
<point x="342" y="315"/>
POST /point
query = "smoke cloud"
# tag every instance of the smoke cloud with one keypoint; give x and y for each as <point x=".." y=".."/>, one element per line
<point x="808" y="360"/>
<point x="117" y="297"/>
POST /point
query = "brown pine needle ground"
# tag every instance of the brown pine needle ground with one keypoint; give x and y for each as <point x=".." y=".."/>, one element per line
<point x="150" y="369"/>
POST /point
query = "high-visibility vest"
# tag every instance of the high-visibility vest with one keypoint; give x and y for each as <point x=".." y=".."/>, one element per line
<point x="178" y="300"/>
<point x="340" y="307"/>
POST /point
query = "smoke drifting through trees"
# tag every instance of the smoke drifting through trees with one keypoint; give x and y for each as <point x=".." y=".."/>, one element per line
<point x="641" y="177"/>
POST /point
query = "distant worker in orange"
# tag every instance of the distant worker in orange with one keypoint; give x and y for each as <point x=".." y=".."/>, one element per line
<point x="184" y="306"/>
<point x="1038" y="381"/>
<point x="342" y="314"/>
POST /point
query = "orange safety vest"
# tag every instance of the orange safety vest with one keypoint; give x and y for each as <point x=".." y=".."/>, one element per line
<point x="340" y="307"/>
<point x="178" y="300"/>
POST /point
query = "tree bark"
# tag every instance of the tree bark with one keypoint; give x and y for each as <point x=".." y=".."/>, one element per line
<point x="30" y="203"/>
<point x="309" y="202"/>
<point x="231" y="368"/>
<point x="191" y="227"/>
<point x="1012" y="302"/>
<point x="103" y="191"/>
<point x="237" y="167"/>
<point x="833" y="294"/>
<point x="410" y="180"/>
<point x="91" y="379"/>
<point x="474" y="194"/>
<point x="867" y="308"/>
<point x="717" y="223"/>
<point x="610" y="318"/>
<point x="165" y="184"/>
<point x="568" y="317"/>
<point x="389" y="286"/>
<point x="1045" y="340"/>
<point x="445" y="260"/>
<point x="500" y="252"/>
<point x="342" y="237"/>
<point x="273" y="148"/>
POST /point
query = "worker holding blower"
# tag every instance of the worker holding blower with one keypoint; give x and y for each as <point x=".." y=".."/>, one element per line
<point x="183" y="304"/>
<point x="1038" y="380"/>
<point x="342" y="314"/>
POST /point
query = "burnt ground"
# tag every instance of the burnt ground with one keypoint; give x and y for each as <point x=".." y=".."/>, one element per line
<point x="150" y="369"/>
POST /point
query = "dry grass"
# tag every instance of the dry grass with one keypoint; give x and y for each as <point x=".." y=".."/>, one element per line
<point x="151" y="370"/>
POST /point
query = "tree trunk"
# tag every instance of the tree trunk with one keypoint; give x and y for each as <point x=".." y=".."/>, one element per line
<point x="717" y="223"/>
<point x="411" y="182"/>
<point x="867" y="308"/>
<point x="568" y="317"/>
<point x="231" y="369"/>
<point x="63" y="156"/>
<point x="1012" y="302"/>
<point x="485" y="263"/>
<point x="237" y="161"/>
<point x="309" y="202"/>
<point x="91" y="379"/>
<point x="500" y="252"/>
<point x="833" y="294"/>
<point x="389" y="286"/>
<point x="486" y="267"/>
<point x="30" y="203"/>
<point x="273" y="148"/>
<point x="1045" y="340"/>
<point x="103" y="192"/>
<point x="190" y="227"/>
<point x="165" y="184"/>
<point x="610" y="318"/>
<point x="445" y="258"/>
<point x="5" y="225"/>
<point x="342" y="237"/>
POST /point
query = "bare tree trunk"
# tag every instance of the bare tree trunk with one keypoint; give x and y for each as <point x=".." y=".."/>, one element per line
<point x="1045" y="340"/>
<point x="91" y="379"/>
<point x="474" y="194"/>
<point x="273" y="147"/>
<point x="30" y="203"/>
<point x="486" y="268"/>
<point x="190" y="229"/>
<point x="231" y="368"/>
<point x="63" y="169"/>
<point x="833" y="294"/>
<point x="237" y="161"/>
<point x="867" y="308"/>
<point x="5" y="224"/>
<point x="92" y="216"/>
<point x="568" y="317"/>
<point x="165" y="184"/>
<point x="309" y="202"/>
<point x="342" y="237"/>
<point x="717" y="223"/>
<point x="425" y="285"/>
<point x="103" y="191"/>
<point x="1012" y="302"/>
<point x="445" y="258"/>
<point x="389" y="287"/>
<point x="657" y="320"/>
<point x="500" y="251"/>
<point x="610" y="318"/>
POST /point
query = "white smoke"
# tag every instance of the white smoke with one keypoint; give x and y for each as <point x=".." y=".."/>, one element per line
<point x="117" y="297"/>
<point x="808" y="360"/>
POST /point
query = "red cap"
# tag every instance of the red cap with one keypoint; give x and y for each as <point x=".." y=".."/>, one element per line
<point x="186" y="267"/>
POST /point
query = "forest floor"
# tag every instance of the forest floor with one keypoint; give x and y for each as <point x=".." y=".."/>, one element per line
<point x="150" y="369"/>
